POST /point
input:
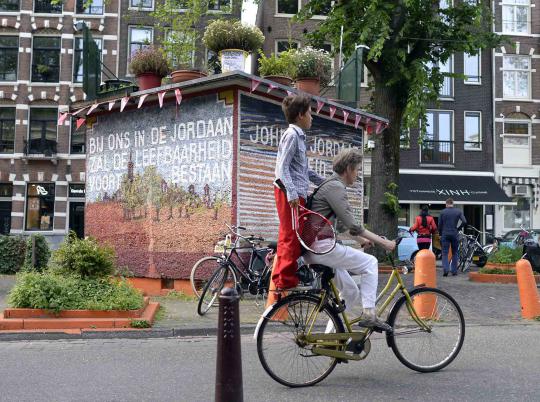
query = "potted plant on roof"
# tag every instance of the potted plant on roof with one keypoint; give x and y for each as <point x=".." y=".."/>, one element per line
<point x="313" y="69"/>
<point x="149" y="66"/>
<point x="233" y="41"/>
<point x="279" y="68"/>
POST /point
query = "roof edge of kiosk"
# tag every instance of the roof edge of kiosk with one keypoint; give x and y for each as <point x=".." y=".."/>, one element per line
<point x="238" y="78"/>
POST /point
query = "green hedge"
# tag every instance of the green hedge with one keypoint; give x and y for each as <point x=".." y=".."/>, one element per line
<point x="47" y="290"/>
<point x="506" y="255"/>
<point x="12" y="251"/>
<point x="42" y="250"/>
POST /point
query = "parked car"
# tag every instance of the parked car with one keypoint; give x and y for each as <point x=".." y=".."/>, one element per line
<point x="512" y="238"/>
<point x="408" y="247"/>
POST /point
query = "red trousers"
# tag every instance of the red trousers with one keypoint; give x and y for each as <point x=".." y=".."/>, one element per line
<point x="289" y="249"/>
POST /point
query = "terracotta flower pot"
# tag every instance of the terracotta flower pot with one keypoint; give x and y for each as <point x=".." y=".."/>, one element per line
<point x="310" y="85"/>
<point x="186" y="75"/>
<point x="148" y="81"/>
<point x="280" y="79"/>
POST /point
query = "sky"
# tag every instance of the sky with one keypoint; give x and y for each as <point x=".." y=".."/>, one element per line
<point x="249" y="12"/>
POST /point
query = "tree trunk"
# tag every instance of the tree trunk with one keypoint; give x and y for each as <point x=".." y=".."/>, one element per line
<point x="384" y="164"/>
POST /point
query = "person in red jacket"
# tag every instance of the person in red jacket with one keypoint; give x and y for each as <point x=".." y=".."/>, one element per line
<point x="425" y="227"/>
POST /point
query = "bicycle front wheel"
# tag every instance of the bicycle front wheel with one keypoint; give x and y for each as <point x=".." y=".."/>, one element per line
<point x="431" y="349"/>
<point x="283" y="353"/>
<point x="213" y="288"/>
<point x="201" y="272"/>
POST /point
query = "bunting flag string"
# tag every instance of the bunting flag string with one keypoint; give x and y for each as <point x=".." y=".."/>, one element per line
<point x="78" y="111"/>
<point x="92" y="108"/>
<point x="123" y="103"/>
<point x="178" y="95"/>
<point x="254" y="84"/>
<point x="271" y="87"/>
<point x="62" y="118"/>
<point x="357" y="120"/>
<point x="320" y="105"/>
<point x="345" y="116"/>
<point x="332" y="111"/>
<point x="141" y="100"/>
<point x="80" y="122"/>
<point x="111" y="105"/>
<point x="160" y="96"/>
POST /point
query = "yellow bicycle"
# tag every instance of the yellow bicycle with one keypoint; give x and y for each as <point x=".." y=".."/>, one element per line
<point x="302" y="337"/>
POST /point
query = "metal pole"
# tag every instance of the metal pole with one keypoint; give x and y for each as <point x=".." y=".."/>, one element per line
<point x="229" y="353"/>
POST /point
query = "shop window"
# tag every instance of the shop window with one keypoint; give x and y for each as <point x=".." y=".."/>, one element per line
<point x="46" y="59"/>
<point x="282" y="45"/>
<point x="518" y="215"/>
<point x="78" y="138"/>
<point x="515" y="16"/>
<point x="288" y="6"/>
<point x="40" y="206"/>
<point x="139" y="38"/>
<point x="6" y="190"/>
<point x="78" y="57"/>
<point x="9" y="5"/>
<point x="472" y="68"/>
<point x="47" y="7"/>
<point x="516" y="140"/>
<point x="96" y="7"/>
<point x="473" y="131"/>
<point x="42" y="135"/>
<point x="9" y="57"/>
<point x="516" y="77"/>
<point x="7" y="129"/>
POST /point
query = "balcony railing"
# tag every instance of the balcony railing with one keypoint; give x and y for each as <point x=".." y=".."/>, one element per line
<point x="46" y="7"/>
<point x="40" y="146"/>
<point x="437" y="152"/>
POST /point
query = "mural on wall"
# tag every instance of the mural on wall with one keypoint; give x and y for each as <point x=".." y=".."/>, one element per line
<point x="158" y="183"/>
<point x="261" y="125"/>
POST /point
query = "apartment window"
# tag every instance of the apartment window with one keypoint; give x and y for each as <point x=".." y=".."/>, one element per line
<point x="472" y="131"/>
<point x="9" y="56"/>
<point x="172" y="38"/>
<point x="438" y="145"/>
<point x="287" y="6"/>
<point x="516" y="77"/>
<point x="517" y="140"/>
<point x="142" y="4"/>
<point x="515" y="16"/>
<point x="218" y="5"/>
<point x="139" y="38"/>
<point x="96" y="7"/>
<point x="78" y="138"/>
<point x="324" y="8"/>
<point x="78" y="58"/>
<point x="283" y="45"/>
<point x="516" y="216"/>
<point x="46" y="59"/>
<point x="447" y="88"/>
<point x="9" y="5"/>
<point x="47" y="7"/>
<point x="405" y="138"/>
<point x="42" y="134"/>
<point x="40" y="206"/>
<point x="471" y="68"/>
<point x="7" y="129"/>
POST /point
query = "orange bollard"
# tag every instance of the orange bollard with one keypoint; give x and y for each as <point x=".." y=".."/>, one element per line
<point x="425" y="273"/>
<point x="528" y="292"/>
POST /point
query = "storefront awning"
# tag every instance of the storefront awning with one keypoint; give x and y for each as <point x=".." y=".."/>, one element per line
<point x="435" y="189"/>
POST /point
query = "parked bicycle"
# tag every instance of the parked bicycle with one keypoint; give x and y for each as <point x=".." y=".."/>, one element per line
<point x="231" y="267"/>
<point x="472" y="251"/>
<point x="303" y="336"/>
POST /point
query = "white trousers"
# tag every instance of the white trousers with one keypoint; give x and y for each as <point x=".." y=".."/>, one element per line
<point x="344" y="259"/>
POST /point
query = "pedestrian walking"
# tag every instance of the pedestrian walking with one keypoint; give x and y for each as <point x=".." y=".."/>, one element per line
<point x="450" y="222"/>
<point x="425" y="227"/>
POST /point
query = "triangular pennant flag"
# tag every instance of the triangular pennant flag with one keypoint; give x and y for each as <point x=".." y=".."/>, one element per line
<point x="80" y="122"/>
<point x="369" y="130"/>
<point x="254" y="84"/>
<point x="92" y="108"/>
<point x="271" y="87"/>
<point x="160" y="96"/>
<point x="357" y="120"/>
<point x="62" y="118"/>
<point x="332" y="111"/>
<point x="320" y="105"/>
<point x="345" y="116"/>
<point x="111" y="104"/>
<point x="178" y="95"/>
<point x="378" y="127"/>
<point x="123" y="103"/>
<point x="289" y="93"/>
<point x="141" y="100"/>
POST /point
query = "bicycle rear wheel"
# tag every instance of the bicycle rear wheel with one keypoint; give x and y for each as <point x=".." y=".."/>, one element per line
<point x="423" y="350"/>
<point x="283" y="354"/>
<point x="201" y="272"/>
<point x="213" y="288"/>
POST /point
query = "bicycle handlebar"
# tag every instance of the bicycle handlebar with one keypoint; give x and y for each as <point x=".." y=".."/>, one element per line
<point x="250" y="238"/>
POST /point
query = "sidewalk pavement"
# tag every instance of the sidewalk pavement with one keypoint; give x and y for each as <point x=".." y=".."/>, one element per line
<point x="482" y="304"/>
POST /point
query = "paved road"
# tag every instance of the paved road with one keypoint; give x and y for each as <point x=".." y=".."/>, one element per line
<point x="497" y="363"/>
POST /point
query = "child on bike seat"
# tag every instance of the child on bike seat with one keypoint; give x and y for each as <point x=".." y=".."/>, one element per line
<point x="291" y="186"/>
<point x="331" y="201"/>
